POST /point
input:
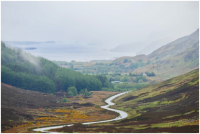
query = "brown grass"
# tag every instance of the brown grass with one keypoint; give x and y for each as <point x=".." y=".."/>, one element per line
<point x="18" y="107"/>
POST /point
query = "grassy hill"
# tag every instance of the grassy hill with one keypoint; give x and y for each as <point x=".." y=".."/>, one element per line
<point x="171" y="106"/>
<point x="178" y="64"/>
<point x="175" y="47"/>
<point x="175" y="65"/>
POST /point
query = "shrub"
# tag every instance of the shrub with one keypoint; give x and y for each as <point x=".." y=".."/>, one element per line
<point x="70" y="93"/>
<point x="73" y="90"/>
<point x="96" y="106"/>
<point x="65" y="99"/>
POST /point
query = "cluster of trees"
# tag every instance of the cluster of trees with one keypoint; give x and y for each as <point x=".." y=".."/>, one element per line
<point x="126" y="60"/>
<point x="140" y="79"/>
<point x="23" y="70"/>
<point x="134" y="66"/>
<point x="65" y="78"/>
<point x="134" y="74"/>
<point x="103" y="68"/>
<point x="117" y="78"/>
<point x="72" y="91"/>
<point x="27" y="81"/>
<point x="85" y="93"/>
<point x="141" y="74"/>
<point x="126" y="87"/>
<point x="65" y="99"/>
<point x="129" y="78"/>
<point x="150" y="74"/>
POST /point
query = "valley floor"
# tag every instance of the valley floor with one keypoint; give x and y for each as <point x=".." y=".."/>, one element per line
<point x="28" y="109"/>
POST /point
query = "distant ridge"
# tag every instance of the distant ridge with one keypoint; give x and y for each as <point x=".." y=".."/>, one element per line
<point x="154" y="45"/>
<point x="175" y="58"/>
<point x="26" y="42"/>
<point x="176" y="46"/>
<point x="131" y="47"/>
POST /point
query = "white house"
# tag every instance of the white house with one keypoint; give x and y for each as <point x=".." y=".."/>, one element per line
<point x="144" y="74"/>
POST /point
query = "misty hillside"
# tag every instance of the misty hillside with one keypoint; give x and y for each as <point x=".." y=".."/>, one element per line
<point x="172" y="59"/>
<point x="25" y="71"/>
<point x="142" y="47"/>
<point x="176" y="46"/>
<point x="180" y="63"/>
<point x="153" y="46"/>
<point x="131" y="48"/>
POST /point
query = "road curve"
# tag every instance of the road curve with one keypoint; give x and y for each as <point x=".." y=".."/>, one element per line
<point x="121" y="116"/>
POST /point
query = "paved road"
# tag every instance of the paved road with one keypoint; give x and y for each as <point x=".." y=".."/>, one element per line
<point x="121" y="116"/>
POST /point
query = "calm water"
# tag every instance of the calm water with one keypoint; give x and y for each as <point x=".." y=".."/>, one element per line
<point x="69" y="52"/>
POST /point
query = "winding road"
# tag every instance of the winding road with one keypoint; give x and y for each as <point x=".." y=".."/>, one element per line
<point x="122" y="116"/>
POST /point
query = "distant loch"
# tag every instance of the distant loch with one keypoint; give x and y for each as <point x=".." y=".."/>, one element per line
<point x="30" y="48"/>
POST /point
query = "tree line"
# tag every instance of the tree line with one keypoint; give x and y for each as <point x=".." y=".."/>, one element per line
<point x="26" y="71"/>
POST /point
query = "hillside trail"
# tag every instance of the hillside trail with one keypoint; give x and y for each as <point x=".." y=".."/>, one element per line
<point x="108" y="101"/>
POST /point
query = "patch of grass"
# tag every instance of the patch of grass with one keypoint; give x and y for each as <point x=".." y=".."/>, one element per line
<point x="196" y="81"/>
<point x="169" y="124"/>
<point x="138" y="127"/>
<point x="147" y="105"/>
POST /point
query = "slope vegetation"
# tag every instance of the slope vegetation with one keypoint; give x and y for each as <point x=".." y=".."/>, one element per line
<point x="23" y="109"/>
<point x="25" y="71"/>
<point x="176" y="46"/>
<point x="170" y="106"/>
<point x="179" y="64"/>
<point x="170" y="60"/>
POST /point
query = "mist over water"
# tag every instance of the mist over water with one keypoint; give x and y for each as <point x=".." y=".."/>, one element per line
<point x="69" y="52"/>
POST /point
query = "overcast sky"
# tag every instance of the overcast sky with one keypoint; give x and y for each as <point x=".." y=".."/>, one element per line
<point x="97" y="23"/>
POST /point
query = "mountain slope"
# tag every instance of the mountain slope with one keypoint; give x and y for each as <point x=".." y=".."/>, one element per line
<point x="178" y="64"/>
<point x="153" y="46"/>
<point x="173" y="59"/>
<point x="171" y="103"/>
<point x="170" y="106"/>
<point x="132" y="47"/>
<point x="175" y="47"/>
